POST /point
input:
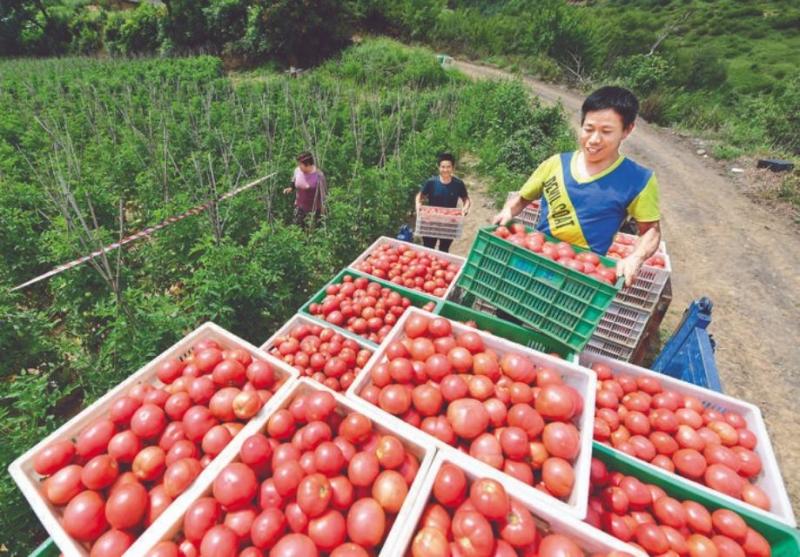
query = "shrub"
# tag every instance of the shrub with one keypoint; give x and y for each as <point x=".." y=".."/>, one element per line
<point x="137" y="31"/>
<point x="701" y="69"/>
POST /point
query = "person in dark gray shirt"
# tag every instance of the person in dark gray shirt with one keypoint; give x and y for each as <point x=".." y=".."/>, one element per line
<point x="443" y="190"/>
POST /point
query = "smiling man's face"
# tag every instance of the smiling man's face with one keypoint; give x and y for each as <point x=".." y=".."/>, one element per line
<point x="601" y="135"/>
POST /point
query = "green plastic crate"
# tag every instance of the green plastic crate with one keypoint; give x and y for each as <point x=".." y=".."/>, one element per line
<point x="47" y="549"/>
<point x="562" y="303"/>
<point x="784" y="540"/>
<point x="418" y="299"/>
<point x="509" y="331"/>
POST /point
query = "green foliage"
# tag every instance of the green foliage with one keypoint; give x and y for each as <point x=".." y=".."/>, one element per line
<point x="87" y="30"/>
<point x="135" y="31"/>
<point x="701" y="69"/>
<point x="383" y="63"/>
<point x="291" y="31"/>
<point x="643" y="74"/>
<point x="150" y="138"/>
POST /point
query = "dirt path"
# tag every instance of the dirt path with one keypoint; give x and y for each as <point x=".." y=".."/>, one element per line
<point x="738" y="254"/>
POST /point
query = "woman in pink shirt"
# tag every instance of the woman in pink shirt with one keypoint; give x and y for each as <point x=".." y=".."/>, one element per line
<point x="310" y="189"/>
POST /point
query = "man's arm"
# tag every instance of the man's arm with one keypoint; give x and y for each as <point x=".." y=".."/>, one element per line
<point x="532" y="189"/>
<point x="511" y="209"/>
<point x="646" y="245"/>
<point x="467" y="204"/>
<point x="419" y="199"/>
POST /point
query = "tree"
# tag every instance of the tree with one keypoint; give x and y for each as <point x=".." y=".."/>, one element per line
<point x="295" y="32"/>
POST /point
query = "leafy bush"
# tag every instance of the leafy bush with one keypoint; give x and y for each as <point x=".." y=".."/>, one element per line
<point x="87" y="30"/>
<point x="642" y="74"/>
<point x="386" y="63"/>
<point x="700" y="69"/>
<point x="135" y="32"/>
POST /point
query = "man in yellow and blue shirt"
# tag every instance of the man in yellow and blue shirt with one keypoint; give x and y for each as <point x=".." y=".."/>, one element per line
<point x="588" y="194"/>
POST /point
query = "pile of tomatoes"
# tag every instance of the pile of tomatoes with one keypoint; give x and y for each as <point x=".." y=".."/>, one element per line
<point x="123" y="470"/>
<point x="623" y="246"/>
<point x="584" y="262"/>
<point x="365" y="308"/>
<point x="443" y="214"/>
<point x="318" y="482"/>
<point x="678" y="433"/>
<point x="644" y="515"/>
<point x="500" y="408"/>
<point x="411" y="268"/>
<point x="322" y="354"/>
<point x="479" y="519"/>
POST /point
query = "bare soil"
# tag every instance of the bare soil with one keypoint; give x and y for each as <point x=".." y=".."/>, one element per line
<point x="740" y="254"/>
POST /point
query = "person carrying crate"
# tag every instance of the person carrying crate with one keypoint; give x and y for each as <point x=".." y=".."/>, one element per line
<point x="443" y="190"/>
<point x="587" y="195"/>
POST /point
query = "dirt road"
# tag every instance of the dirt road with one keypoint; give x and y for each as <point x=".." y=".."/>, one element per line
<point x="738" y="254"/>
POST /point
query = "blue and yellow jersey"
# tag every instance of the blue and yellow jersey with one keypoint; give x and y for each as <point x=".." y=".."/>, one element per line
<point x="589" y="212"/>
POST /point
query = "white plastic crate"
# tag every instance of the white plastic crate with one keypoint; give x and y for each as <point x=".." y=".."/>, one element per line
<point x="645" y="291"/>
<point x="581" y="379"/>
<point x="30" y="482"/>
<point x="613" y="350"/>
<point x="589" y="538"/>
<point x="424" y="451"/>
<point x="530" y="214"/>
<point x="439" y="222"/>
<point x="300" y="319"/>
<point x="770" y="479"/>
<point x="457" y="260"/>
<point x="622" y="325"/>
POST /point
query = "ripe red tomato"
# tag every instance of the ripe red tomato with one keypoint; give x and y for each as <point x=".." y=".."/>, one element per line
<point x="473" y="534"/>
<point x="159" y="501"/>
<point x="112" y="544"/>
<point x="53" y="457"/>
<point x="395" y="399"/>
<point x="122" y="409"/>
<point x="697" y="517"/>
<point x="197" y="421"/>
<point x="427" y="399"/>
<point x="100" y="472"/>
<point x="555" y="402"/>
<point x="366" y="522"/>
<point x="450" y="485"/>
<point x="328" y="531"/>
<point x="560" y="545"/>
<point x="64" y="484"/>
<point x="652" y="538"/>
<point x="468" y="417"/>
<point x="558" y="476"/>
<point x="489" y="498"/>
<point x="149" y="463"/>
<point x="180" y="475"/>
<point x="92" y="441"/>
<point x="363" y="469"/>
<point x="201" y="516"/>
<point x="219" y="541"/>
<point x="84" y="516"/>
<point x="561" y="440"/>
<point x="689" y="463"/>
<point x="390" y="490"/>
<point x="430" y="542"/>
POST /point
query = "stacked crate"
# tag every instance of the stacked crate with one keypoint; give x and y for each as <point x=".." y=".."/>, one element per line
<point x="622" y="328"/>
<point x="530" y="214"/>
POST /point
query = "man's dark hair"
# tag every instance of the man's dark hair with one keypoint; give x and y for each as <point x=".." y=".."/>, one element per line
<point x="447" y="157"/>
<point x="305" y="158"/>
<point x="618" y="99"/>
